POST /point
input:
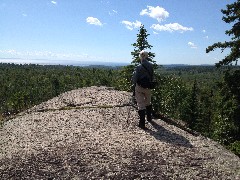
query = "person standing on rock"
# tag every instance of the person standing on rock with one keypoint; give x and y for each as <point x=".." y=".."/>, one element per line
<point x="142" y="74"/>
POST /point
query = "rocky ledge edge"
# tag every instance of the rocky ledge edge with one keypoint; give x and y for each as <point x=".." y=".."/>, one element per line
<point x="92" y="133"/>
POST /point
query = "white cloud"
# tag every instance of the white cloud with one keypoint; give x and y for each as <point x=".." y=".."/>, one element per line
<point x="206" y="37"/>
<point x="192" y="45"/>
<point x="94" y="21"/>
<point x="158" y="13"/>
<point x="171" y="27"/>
<point x="204" y="31"/>
<point x="24" y="14"/>
<point x="9" y="51"/>
<point x="54" y="2"/>
<point x="131" y="25"/>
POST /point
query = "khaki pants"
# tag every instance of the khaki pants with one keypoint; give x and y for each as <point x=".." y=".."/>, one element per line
<point x="143" y="97"/>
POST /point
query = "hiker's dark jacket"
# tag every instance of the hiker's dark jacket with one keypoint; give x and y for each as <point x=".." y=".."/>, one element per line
<point x="141" y="72"/>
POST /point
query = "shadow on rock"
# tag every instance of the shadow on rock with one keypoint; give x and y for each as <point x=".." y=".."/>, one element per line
<point x="165" y="135"/>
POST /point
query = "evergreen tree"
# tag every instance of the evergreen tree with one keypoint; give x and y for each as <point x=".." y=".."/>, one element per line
<point x="142" y="44"/>
<point x="192" y="122"/>
<point x="190" y="108"/>
<point x="227" y="120"/>
<point x="233" y="84"/>
<point x="232" y="15"/>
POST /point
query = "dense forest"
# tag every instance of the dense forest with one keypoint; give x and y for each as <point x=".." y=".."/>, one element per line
<point x="207" y="99"/>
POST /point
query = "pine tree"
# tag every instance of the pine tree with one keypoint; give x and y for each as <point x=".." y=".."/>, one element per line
<point x="232" y="15"/>
<point x="142" y="44"/>
<point x="193" y="106"/>
<point x="227" y="121"/>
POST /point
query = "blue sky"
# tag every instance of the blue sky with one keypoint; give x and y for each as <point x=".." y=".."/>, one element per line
<point x="103" y="30"/>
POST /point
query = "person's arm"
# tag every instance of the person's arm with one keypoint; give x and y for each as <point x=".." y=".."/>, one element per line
<point x="152" y="73"/>
<point x="134" y="79"/>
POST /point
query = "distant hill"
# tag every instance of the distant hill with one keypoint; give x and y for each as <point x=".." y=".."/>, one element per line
<point x="185" y="65"/>
<point x="61" y="62"/>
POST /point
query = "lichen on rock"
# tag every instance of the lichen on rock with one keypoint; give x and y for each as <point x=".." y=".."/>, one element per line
<point x="92" y="133"/>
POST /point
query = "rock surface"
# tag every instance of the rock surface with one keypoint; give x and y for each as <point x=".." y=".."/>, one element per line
<point x="92" y="133"/>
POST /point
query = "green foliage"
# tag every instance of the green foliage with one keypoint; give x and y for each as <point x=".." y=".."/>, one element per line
<point x="235" y="147"/>
<point x="224" y="121"/>
<point x="210" y="105"/>
<point x="26" y="85"/>
<point x="142" y="44"/>
<point x="169" y="95"/>
<point x="223" y="128"/>
<point x="193" y="106"/>
<point x="232" y="15"/>
<point x="233" y="86"/>
<point x="206" y="110"/>
<point x="232" y="80"/>
<point x="124" y="83"/>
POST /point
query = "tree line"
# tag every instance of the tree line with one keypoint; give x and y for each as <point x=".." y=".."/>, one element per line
<point x="23" y="86"/>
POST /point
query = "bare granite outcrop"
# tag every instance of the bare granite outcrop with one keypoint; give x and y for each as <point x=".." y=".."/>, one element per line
<point x="92" y="133"/>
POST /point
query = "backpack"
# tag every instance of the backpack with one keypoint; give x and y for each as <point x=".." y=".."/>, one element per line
<point x="146" y="81"/>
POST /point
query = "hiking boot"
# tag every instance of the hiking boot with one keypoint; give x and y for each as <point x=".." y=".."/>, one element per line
<point x="141" y="114"/>
<point x="149" y="113"/>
